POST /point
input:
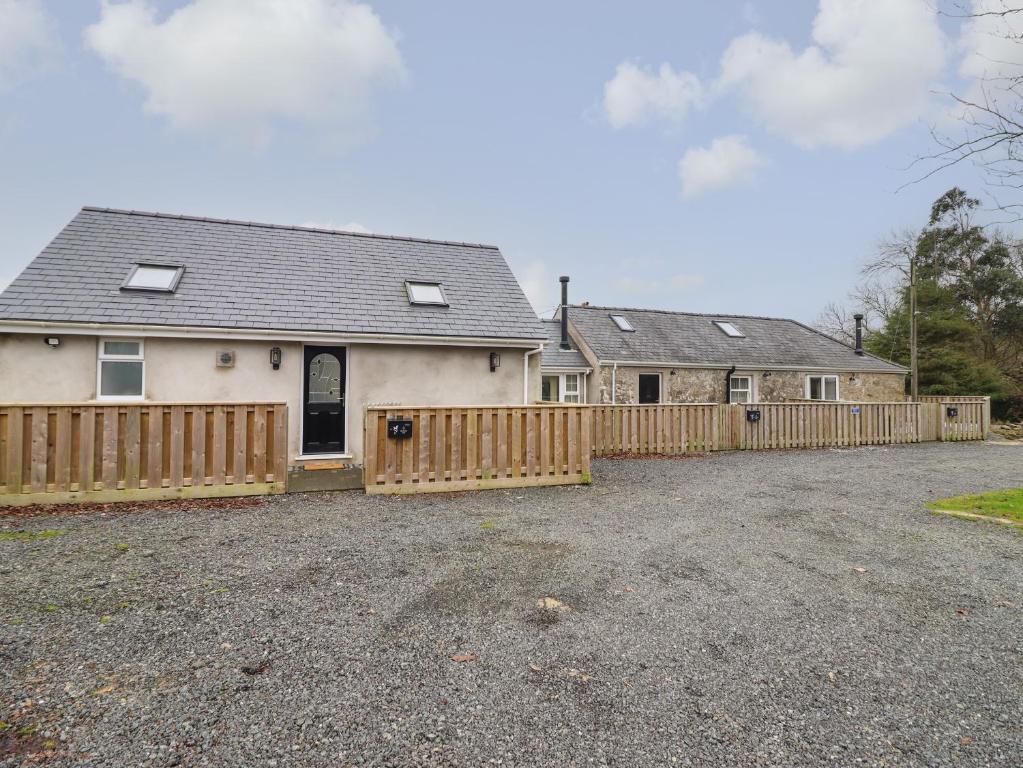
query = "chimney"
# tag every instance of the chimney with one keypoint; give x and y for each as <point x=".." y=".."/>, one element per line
<point x="564" y="312"/>
<point x="859" y="333"/>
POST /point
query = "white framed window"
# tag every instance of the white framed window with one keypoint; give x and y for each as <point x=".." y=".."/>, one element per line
<point x="622" y="323"/>
<point x="153" y="277"/>
<point x="425" y="293"/>
<point x="822" y="387"/>
<point x="561" y="388"/>
<point x="121" y="369"/>
<point x="728" y="329"/>
<point x="740" y="389"/>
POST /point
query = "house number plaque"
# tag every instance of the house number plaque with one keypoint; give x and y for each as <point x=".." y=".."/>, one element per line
<point x="399" y="428"/>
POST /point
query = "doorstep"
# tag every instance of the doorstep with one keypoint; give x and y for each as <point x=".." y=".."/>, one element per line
<point x="324" y="476"/>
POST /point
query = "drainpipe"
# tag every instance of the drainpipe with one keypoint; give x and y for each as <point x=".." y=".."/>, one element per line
<point x="614" y="384"/>
<point x="728" y="385"/>
<point x="525" y="373"/>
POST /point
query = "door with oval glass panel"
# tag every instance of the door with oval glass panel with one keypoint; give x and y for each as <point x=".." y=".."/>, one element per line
<point x="323" y="411"/>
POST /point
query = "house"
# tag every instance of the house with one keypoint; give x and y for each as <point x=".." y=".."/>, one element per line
<point x="654" y="356"/>
<point x="564" y="369"/>
<point x="126" y="306"/>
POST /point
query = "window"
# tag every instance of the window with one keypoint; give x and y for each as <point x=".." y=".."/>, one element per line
<point x="550" y="389"/>
<point x="561" y="388"/>
<point x="622" y="323"/>
<point x="153" y="277"/>
<point x="822" y="387"/>
<point x="571" y="387"/>
<point x="729" y="330"/>
<point x="740" y="389"/>
<point x="121" y="369"/>
<point x="425" y="293"/>
<point x="649" y="388"/>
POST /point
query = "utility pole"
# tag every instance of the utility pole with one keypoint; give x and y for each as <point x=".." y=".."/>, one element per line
<point x="914" y="369"/>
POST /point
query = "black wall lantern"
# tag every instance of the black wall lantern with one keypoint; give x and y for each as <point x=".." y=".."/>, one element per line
<point x="952" y="412"/>
<point x="752" y="416"/>
<point x="275" y="358"/>
<point x="53" y="341"/>
<point x="495" y="361"/>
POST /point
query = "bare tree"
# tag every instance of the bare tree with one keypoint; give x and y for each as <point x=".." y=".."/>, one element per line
<point x="991" y="112"/>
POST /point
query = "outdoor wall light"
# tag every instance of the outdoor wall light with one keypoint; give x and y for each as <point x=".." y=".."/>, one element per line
<point x="495" y="361"/>
<point x="275" y="358"/>
<point x="52" y="341"/>
<point x="767" y="374"/>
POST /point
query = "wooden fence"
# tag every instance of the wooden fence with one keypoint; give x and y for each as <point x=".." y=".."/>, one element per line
<point x="697" y="428"/>
<point x="462" y="448"/>
<point x="51" y="453"/>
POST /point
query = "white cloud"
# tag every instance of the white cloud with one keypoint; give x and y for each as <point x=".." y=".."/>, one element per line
<point x="868" y="74"/>
<point x="729" y="160"/>
<point x="991" y="44"/>
<point x="656" y="286"/>
<point x="539" y="286"/>
<point x="236" y="66"/>
<point x="351" y="226"/>
<point x="635" y="95"/>
<point x="27" y="39"/>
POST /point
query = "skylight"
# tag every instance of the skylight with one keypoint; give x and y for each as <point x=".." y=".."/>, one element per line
<point x="622" y="323"/>
<point x="729" y="330"/>
<point x="153" y="277"/>
<point x="425" y="293"/>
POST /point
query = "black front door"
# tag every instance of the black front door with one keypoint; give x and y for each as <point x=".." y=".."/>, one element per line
<point x="323" y="412"/>
<point x="649" y="388"/>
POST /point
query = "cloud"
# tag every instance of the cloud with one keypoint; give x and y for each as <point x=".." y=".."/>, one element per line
<point x="539" y="286"/>
<point x="351" y="226"/>
<point x="28" y="39"/>
<point x="991" y="44"/>
<point x="236" y="66"/>
<point x="729" y="160"/>
<point x="867" y="75"/>
<point x="656" y="286"/>
<point x="634" y="95"/>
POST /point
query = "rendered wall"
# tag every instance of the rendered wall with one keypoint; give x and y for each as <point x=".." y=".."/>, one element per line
<point x="178" y="370"/>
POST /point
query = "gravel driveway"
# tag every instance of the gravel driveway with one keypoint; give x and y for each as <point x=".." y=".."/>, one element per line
<point x="777" y="608"/>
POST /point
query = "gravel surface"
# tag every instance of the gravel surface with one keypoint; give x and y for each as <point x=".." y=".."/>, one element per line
<point x="777" y="608"/>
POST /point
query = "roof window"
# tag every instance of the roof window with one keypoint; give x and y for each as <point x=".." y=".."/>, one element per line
<point x="622" y="323"/>
<point x="425" y="293"/>
<point x="153" y="277"/>
<point x="729" y="330"/>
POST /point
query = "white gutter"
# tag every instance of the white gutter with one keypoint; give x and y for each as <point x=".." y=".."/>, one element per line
<point x="525" y="373"/>
<point x="755" y="367"/>
<point x="194" y="332"/>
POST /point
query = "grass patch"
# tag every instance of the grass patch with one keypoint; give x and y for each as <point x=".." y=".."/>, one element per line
<point x="489" y="525"/>
<point x="1006" y="504"/>
<point x="30" y="535"/>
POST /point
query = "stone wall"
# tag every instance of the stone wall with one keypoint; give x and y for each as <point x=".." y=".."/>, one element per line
<point x="702" y="385"/>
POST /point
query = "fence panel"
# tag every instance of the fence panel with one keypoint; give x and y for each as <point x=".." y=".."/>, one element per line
<point x="702" y="427"/>
<point x="464" y="448"/>
<point x="53" y="453"/>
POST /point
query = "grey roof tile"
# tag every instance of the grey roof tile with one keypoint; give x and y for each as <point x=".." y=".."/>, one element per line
<point x="687" y="338"/>
<point x="553" y="356"/>
<point x="250" y="275"/>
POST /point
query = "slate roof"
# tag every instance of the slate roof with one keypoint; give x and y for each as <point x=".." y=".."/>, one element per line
<point x="246" y="275"/>
<point x="681" y="338"/>
<point x="553" y="356"/>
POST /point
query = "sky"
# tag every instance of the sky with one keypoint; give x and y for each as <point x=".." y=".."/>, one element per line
<point x="728" y="157"/>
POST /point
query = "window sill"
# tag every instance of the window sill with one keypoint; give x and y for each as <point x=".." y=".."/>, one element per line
<point x="315" y="456"/>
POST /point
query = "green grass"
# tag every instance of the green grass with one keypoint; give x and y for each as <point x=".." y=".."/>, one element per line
<point x="489" y="525"/>
<point x="1007" y="504"/>
<point x="29" y="535"/>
